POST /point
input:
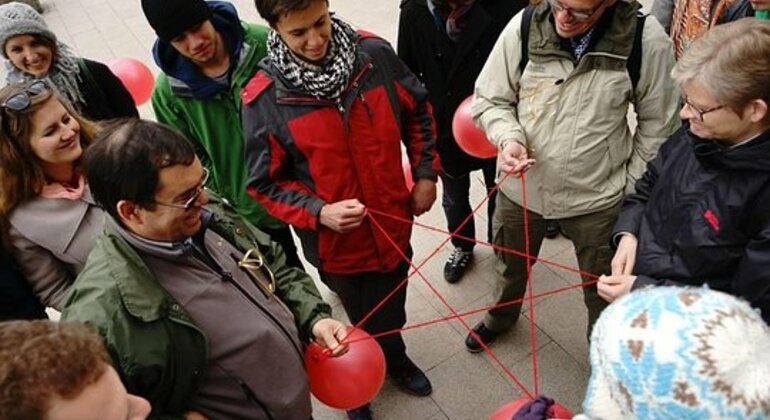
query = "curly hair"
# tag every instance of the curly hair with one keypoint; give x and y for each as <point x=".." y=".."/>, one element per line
<point x="43" y="360"/>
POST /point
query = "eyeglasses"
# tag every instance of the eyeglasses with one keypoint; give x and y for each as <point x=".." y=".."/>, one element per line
<point x="22" y="100"/>
<point x="193" y="196"/>
<point x="579" y="15"/>
<point x="698" y="112"/>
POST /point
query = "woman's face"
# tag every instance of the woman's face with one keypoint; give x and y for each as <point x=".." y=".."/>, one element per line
<point x="54" y="137"/>
<point x="29" y="55"/>
<point x="710" y="119"/>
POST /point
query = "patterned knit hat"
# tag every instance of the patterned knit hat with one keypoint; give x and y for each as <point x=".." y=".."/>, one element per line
<point x="21" y="19"/>
<point x="679" y="353"/>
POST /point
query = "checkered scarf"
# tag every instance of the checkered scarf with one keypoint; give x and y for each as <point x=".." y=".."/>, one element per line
<point x="327" y="80"/>
<point x="453" y="14"/>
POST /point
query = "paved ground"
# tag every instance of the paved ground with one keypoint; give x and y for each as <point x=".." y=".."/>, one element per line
<point x="465" y="386"/>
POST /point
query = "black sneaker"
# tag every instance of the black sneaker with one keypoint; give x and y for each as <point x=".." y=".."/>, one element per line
<point x="456" y="265"/>
<point x="552" y="229"/>
<point x="410" y="379"/>
<point x="487" y="336"/>
<point x="361" y="413"/>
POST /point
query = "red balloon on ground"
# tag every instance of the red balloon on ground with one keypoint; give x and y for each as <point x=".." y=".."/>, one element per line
<point x="507" y="411"/>
<point x="408" y="176"/>
<point x="351" y="380"/>
<point x="470" y="137"/>
<point x="136" y="77"/>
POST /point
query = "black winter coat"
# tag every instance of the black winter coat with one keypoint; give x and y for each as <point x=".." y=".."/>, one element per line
<point x="105" y="95"/>
<point x="449" y="69"/>
<point x="701" y="214"/>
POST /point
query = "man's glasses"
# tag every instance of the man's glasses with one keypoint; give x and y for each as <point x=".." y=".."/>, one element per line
<point x="698" y="112"/>
<point x="22" y="100"/>
<point x="579" y="15"/>
<point x="192" y="198"/>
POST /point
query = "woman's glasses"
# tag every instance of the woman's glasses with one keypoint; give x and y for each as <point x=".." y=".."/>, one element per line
<point x="22" y="100"/>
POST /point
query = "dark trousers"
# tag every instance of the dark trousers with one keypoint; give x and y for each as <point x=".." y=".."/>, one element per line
<point x="361" y="292"/>
<point x="284" y="238"/>
<point x="589" y="233"/>
<point x="456" y="203"/>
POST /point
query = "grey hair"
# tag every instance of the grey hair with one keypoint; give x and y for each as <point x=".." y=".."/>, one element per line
<point x="731" y="61"/>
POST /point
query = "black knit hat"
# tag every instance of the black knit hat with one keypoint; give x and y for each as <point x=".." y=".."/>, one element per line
<point x="170" y="18"/>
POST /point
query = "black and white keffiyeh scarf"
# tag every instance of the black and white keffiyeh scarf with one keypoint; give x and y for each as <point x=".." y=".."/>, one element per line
<point x="326" y="80"/>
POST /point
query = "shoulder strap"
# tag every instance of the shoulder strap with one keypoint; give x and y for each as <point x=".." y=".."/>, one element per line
<point x="634" y="63"/>
<point x="526" y="19"/>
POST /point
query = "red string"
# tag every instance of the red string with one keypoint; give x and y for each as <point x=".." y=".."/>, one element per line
<point x="491" y="245"/>
<point x="453" y="311"/>
<point x="473" y="312"/>
<point x="532" y="340"/>
<point x="530" y="260"/>
<point x="432" y="254"/>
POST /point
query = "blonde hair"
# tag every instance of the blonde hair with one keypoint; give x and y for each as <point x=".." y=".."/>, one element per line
<point x="731" y="61"/>
<point x="21" y="178"/>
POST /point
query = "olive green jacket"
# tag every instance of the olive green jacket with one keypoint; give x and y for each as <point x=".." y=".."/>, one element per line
<point x="156" y="347"/>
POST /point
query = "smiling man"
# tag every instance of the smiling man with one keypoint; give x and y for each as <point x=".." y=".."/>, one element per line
<point x="198" y="308"/>
<point x="554" y="96"/>
<point x="207" y="55"/>
<point x="324" y="121"/>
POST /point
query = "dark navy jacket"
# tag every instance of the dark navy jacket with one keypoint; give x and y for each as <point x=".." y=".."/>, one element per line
<point x="701" y="213"/>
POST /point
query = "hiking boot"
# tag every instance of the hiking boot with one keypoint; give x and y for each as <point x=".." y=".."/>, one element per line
<point x="456" y="265"/>
<point x="487" y="336"/>
<point x="361" y="413"/>
<point x="552" y="229"/>
<point x="411" y="379"/>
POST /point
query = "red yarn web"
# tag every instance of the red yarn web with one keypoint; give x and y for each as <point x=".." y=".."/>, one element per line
<point x="460" y="316"/>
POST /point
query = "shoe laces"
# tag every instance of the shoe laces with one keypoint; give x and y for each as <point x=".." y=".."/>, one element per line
<point x="459" y="257"/>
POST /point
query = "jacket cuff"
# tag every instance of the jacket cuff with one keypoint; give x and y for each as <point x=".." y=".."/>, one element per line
<point x="642" y="282"/>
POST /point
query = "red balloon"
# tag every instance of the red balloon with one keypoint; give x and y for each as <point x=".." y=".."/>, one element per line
<point x="470" y="137"/>
<point x="408" y="176"/>
<point x="136" y="77"/>
<point x="507" y="411"/>
<point x="351" y="380"/>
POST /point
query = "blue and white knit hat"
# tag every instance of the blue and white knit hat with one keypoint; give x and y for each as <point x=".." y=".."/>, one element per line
<point x="679" y="353"/>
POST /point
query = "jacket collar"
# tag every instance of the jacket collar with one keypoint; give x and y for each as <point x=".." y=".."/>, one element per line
<point x="185" y="78"/>
<point x="614" y="39"/>
<point x="753" y="155"/>
<point x="26" y="219"/>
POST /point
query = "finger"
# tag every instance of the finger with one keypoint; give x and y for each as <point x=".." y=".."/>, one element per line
<point x="629" y="268"/>
<point x="616" y="267"/>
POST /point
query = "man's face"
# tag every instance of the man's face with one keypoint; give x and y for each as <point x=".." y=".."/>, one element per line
<point x="307" y="32"/>
<point x="169" y="221"/>
<point x="105" y="399"/>
<point x="201" y="43"/>
<point x="576" y="17"/>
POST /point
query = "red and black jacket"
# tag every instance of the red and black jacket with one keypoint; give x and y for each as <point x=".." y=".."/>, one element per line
<point x="303" y="152"/>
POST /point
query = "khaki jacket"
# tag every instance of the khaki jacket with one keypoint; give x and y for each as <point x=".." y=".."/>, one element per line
<point x="573" y="116"/>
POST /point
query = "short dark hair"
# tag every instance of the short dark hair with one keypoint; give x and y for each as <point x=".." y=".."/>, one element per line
<point x="273" y="10"/>
<point x="126" y="158"/>
<point x="45" y="360"/>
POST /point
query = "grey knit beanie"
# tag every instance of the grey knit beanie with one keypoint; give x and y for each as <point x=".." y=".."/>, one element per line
<point x="21" y="19"/>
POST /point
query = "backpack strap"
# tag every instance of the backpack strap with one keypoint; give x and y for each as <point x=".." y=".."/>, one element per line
<point x="526" y="20"/>
<point x="634" y="63"/>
